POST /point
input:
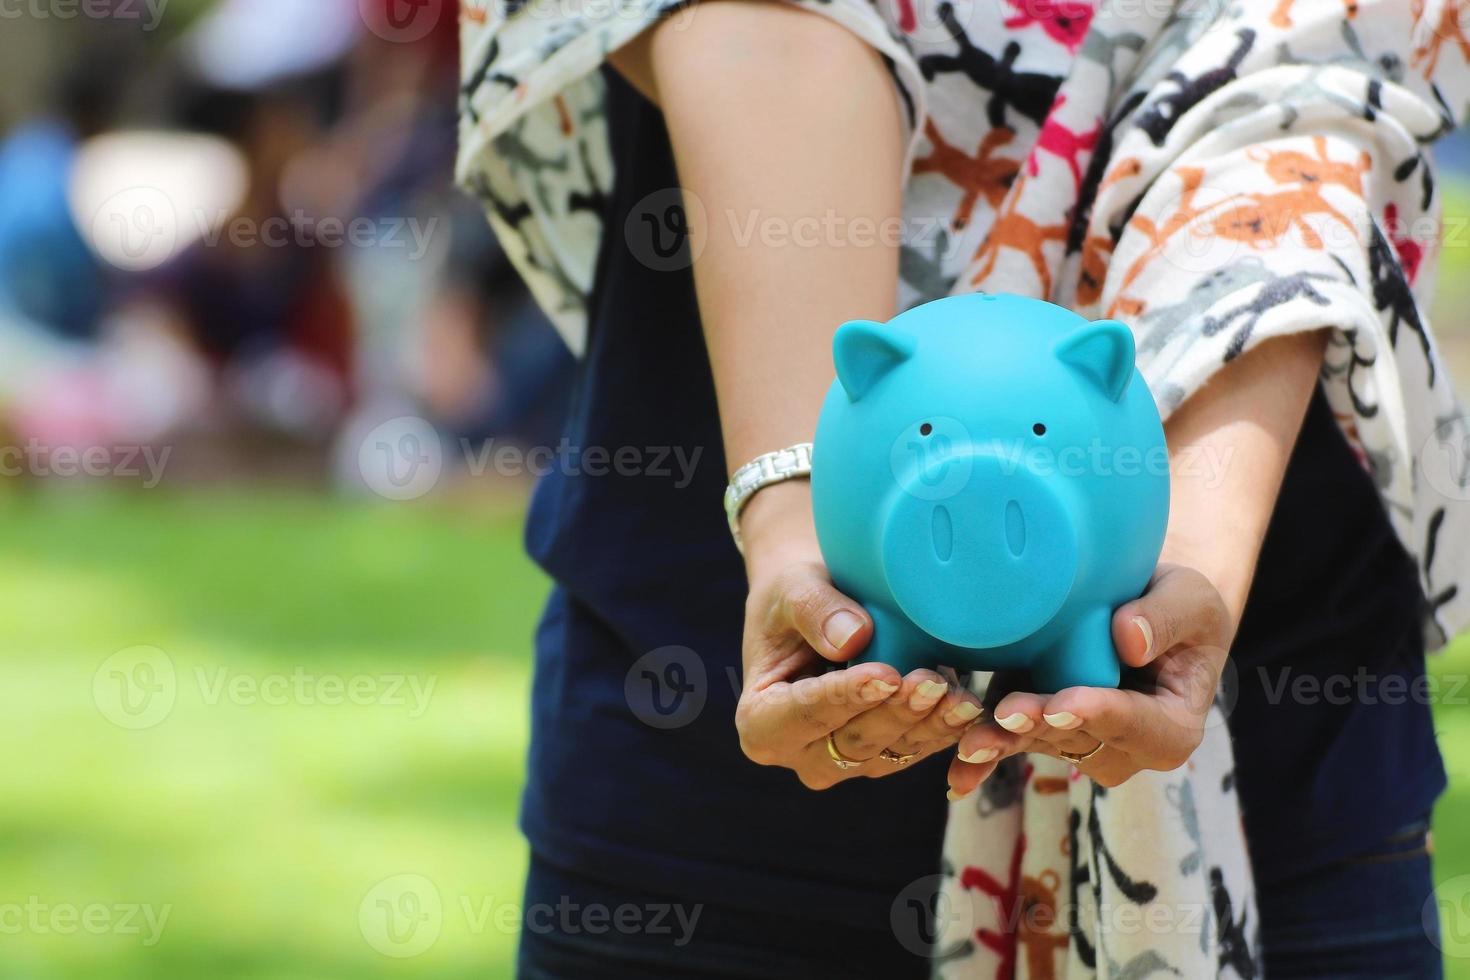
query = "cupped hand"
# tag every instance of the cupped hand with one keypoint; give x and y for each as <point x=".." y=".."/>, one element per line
<point x="796" y="626"/>
<point x="1178" y="633"/>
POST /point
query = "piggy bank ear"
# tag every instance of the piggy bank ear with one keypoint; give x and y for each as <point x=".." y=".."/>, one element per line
<point x="1102" y="352"/>
<point x="865" y="351"/>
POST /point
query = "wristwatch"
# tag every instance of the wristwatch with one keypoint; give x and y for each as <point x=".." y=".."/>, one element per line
<point x="792" y="463"/>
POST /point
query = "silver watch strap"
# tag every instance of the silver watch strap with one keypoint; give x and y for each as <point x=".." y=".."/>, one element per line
<point x="784" y="464"/>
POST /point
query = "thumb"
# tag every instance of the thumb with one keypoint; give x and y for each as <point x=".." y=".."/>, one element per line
<point x="834" y="625"/>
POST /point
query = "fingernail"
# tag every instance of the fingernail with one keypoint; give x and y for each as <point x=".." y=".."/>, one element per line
<point x="980" y="755"/>
<point x="953" y="796"/>
<point x="840" y="627"/>
<point x="1148" y="635"/>
<point x="1063" y="719"/>
<point x="876" y="690"/>
<point x="962" y="714"/>
<point x="927" y="695"/>
<point x="1017" y="723"/>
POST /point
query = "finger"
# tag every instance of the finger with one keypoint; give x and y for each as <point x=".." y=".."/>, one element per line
<point x="834" y="625"/>
<point x="1129" y="721"/>
<point x="1019" y="712"/>
<point x="986" y="742"/>
<point x="818" y="770"/>
<point x="1106" y="766"/>
<point x="965" y="778"/>
<point x="781" y="720"/>
<point x="1025" y="714"/>
<point x="943" y="726"/>
<point x="1180" y="606"/>
<point x="877" y="728"/>
<point x="1062" y="730"/>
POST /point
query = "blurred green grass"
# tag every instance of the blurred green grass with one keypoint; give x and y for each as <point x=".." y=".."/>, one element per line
<point x="265" y="827"/>
<point x="262" y="825"/>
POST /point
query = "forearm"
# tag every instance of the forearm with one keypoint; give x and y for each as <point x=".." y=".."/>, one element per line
<point x="1229" y="444"/>
<point x="799" y="185"/>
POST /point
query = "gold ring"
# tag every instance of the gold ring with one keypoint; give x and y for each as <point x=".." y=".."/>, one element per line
<point x="1076" y="759"/>
<point x="888" y="755"/>
<point x="842" y="761"/>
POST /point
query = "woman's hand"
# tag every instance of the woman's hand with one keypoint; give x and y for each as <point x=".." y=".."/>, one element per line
<point x="1178" y="632"/>
<point x="796" y="626"/>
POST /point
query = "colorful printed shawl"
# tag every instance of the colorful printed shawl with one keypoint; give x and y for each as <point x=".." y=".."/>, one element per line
<point x="1214" y="174"/>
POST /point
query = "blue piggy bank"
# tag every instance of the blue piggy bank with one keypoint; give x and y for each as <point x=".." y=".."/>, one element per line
<point x="990" y="480"/>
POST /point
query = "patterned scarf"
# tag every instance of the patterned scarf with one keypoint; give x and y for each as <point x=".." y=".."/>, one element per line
<point x="1214" y="174"/>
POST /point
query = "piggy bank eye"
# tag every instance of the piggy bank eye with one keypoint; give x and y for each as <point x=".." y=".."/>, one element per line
<point x="925" y="429"/>
<point x="1039" y="429"/>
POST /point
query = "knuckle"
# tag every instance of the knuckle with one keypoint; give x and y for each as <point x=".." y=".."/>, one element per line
<point x="807" y="602"/>
<point x="856" y="744"/>
<point x="1172" y="627"/>
<point x="816" y="781"/>
<point x="809" y="718"/>
<point x="761" y="755"/>
<point x="1173" y="759"/>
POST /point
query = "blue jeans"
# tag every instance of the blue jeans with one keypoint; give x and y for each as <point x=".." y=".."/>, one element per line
<point x="1356" y="919"/>
<point x="1352" y="920"/>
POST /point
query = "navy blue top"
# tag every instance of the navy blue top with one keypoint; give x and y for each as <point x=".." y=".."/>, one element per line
<point x="1334" y="741"/>
<point x="636" y="774"/>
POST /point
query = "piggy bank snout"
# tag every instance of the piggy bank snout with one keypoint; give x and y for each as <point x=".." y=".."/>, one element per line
<point x="986" y="563"/>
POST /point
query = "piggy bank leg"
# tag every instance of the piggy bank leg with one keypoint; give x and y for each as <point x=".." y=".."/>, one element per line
<point x="1085" y="657"/>
<point x="898" y="643"/>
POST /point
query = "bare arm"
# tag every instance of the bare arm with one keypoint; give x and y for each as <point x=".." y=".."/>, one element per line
<point x="786" y="165"/>
<point x="798" y="182"/>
